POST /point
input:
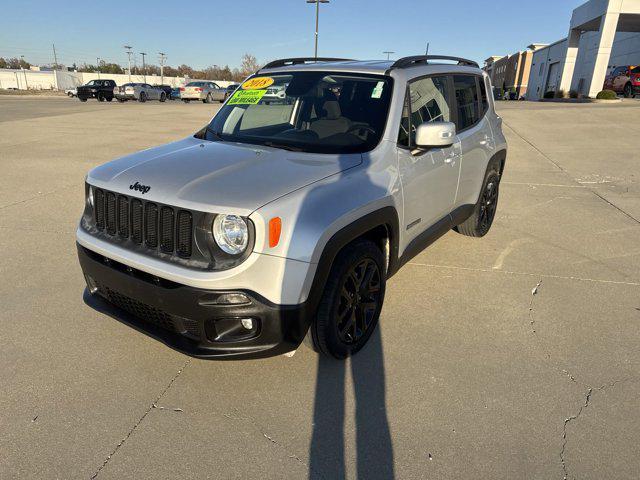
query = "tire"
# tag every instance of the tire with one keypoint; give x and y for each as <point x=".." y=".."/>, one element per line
<point x="122" y="100"/>
<point x="100" y="97"/>
<point x="208" y="99"/>
<point x="109" y="99"/>
<point x="185" y="100"/>
<point x="628" y="91"/>
<point x="143" y="97"/>
<point x="350" y="307"/>
<point x="163" y="97"/>
<point x="82" y="99"/>
<point x="479" y="223"/>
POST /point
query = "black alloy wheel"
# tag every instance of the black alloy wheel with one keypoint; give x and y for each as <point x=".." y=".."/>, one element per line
<point x="351" y="301"/>
<point x="359" y="300"/>
<point x="488" y="203"/>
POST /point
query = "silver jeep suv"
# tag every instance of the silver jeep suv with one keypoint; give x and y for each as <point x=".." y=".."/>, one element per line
<point x="282" y="221"/>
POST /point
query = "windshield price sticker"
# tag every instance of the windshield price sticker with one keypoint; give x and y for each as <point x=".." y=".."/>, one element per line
<point x="246" y="97"/>
<point x="377" y="91"/>
<point x="257" y="83"/>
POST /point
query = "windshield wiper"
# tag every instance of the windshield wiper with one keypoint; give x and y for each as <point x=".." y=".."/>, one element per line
<point x="282" y="146"/>
<point x="215" y="134"/>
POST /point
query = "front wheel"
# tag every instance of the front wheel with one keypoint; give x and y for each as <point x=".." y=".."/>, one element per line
<point x="82" y="99"/>
<point x="100" y="97"/>
<point x="109" y="99"/>
<point x="479" y="223"/>
<point x="628" y="91"/>
<point x="351" y="302"/>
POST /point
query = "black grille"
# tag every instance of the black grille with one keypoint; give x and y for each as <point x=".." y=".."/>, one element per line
<point x="110" y="213"/>
<point x="185" y="227"/>
<point x="167" y="229"/>
<point x="136" y="221"/>
<point x="141" y="310"/>
<point x="123" y="216"/>
<point x="157" y="226"/>
<point x="151" y="224"/>
<point x="98" y="202"/>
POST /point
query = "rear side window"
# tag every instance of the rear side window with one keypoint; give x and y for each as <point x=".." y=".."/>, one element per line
<point x="466" y="93"/>
<point x="428" y="101"/>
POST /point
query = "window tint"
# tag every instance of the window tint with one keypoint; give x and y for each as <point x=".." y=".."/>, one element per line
<point x="429" y="102"/>
<point x="467" y="98"/>
<point x="635" y="70"/>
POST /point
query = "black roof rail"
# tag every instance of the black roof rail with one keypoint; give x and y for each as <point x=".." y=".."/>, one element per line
<point x="407" y="62"/>
<point x="284" y="62"/>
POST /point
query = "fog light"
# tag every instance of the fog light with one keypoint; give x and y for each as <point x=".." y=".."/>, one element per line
<point x="91" y="284"/>
<point x="247" y="323"/>
<point x="234" y="298"/>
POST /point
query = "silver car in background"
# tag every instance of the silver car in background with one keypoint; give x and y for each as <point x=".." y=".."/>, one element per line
<point x="138" y="91"/>
<point x="202" y="90"/>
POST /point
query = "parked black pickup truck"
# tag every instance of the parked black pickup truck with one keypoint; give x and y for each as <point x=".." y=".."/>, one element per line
<point x="99" y="89"/>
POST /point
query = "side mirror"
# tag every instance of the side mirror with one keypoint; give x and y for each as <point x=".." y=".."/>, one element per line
<point x="435" y="135"/>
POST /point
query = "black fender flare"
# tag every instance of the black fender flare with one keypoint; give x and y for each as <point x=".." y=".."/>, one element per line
<point x="386" y="217"/>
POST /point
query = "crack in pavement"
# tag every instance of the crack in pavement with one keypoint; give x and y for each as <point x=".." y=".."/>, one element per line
<point x="153" y="404"/>
<point x="239" y="416"/>
<point x="564" y="431"/>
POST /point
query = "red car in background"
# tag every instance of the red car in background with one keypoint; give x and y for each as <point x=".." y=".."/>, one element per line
<point x="624" y="80"/>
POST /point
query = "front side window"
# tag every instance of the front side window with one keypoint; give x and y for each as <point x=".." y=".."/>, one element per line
<point x="467" y="99"/>
<point x="428" y="101"/>
<point x="306" y="111"/>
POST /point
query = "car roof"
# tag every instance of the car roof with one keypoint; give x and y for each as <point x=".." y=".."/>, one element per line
<point x="375" y="67"/>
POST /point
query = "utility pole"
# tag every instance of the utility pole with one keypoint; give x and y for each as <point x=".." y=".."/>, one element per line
<point x="317" y="2"/>
<point x="388" y="53"/>
<point x="26" y="83"/>
<point x="162" y="57"/>
<point x="128" y="49"/>
<point x="144" y="67"/>
<point x="55" y="57"/>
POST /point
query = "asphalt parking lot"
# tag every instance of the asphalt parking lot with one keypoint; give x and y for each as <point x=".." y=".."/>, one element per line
<point x="512" y="356"/>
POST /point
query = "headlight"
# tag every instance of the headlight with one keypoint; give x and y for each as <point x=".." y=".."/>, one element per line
<point x="231" y="233"/>
<point x="90" y="196"/>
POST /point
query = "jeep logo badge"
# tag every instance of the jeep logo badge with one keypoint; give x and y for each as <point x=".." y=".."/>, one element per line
<point x="140" y="188"/>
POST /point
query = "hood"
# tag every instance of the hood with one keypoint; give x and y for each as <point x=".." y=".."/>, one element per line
<point x="217" y="177"/>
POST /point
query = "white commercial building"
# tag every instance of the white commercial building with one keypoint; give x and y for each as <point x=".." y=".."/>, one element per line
<point x="603" y="34"/>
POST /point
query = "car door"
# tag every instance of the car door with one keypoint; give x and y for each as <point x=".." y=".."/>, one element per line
<point x="217" y="92"/>
<point x="429" y="178"/>
<point x="475" y="136"/>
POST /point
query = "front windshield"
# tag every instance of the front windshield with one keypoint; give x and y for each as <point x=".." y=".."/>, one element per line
<point x="306" y="111"/>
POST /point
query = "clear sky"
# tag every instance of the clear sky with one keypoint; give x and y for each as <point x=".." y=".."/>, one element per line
<point x="218" y="32"/>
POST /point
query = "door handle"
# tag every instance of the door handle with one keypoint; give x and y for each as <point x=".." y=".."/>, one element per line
<point x="452" y="156"/>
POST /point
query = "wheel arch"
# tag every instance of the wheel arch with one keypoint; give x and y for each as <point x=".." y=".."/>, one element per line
<point x="380" y="226"/>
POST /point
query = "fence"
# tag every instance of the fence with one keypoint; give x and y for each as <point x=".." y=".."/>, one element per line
<point x="64" y="80"/>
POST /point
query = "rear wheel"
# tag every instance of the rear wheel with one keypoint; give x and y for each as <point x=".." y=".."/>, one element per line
<point x="352" y="300"/>
<point x="143" y="97"/>
<point x="479" y="223"/>
<point x="628" y="91"/>
<point x="100" y="97"/>
<point x="163" y="97"/>
<point x="208" y="99"/>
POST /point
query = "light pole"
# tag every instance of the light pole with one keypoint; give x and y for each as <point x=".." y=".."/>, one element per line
<point x="162" y="57"/>
<point x="128" y="49"/>
<point x="144" y="67"/>
<point x="388" y="53"/>
<point x="317" y="2"/>
<point x="26" y="83"/>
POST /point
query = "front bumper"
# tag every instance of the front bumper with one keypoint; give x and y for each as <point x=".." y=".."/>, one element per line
<point x="186" y="318"/>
